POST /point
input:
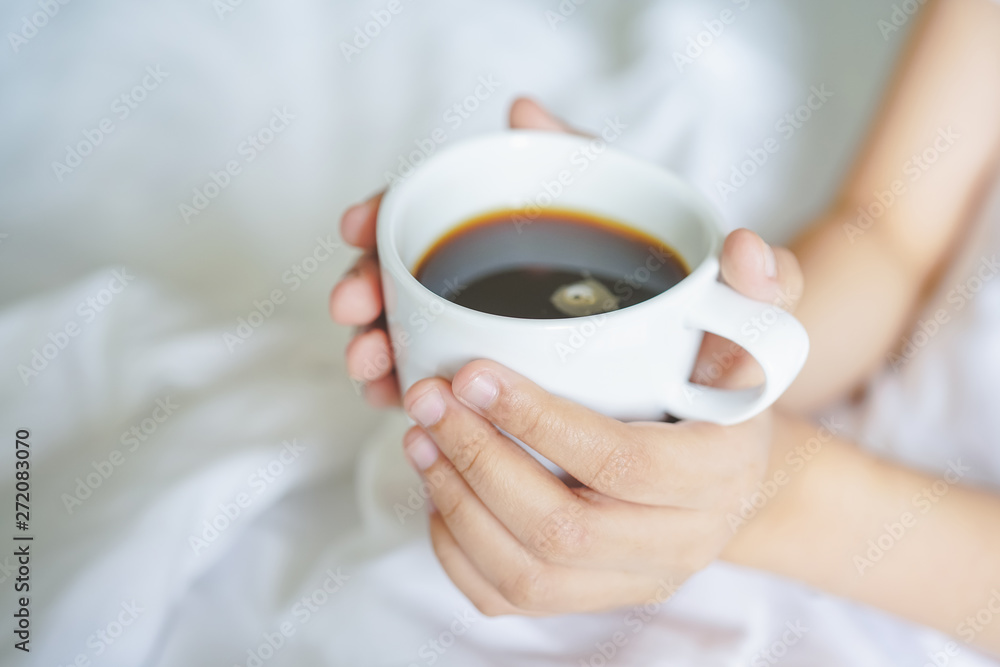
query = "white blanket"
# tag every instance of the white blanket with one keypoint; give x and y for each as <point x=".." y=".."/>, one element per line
<point x="206" y="486"/>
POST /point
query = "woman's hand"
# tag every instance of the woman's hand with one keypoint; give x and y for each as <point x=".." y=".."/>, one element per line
<point x="510" y="534"/>
<point x="357" y="299"/>
<point x="653" y="509"/>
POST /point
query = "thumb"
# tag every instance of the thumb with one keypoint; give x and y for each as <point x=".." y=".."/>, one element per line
<point x="757" y="271"/>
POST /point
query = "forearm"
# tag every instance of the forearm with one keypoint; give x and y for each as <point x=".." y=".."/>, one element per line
<point x="924" y="548"/>
<point x="870" y="259"/>
<point x="855" y="303"/>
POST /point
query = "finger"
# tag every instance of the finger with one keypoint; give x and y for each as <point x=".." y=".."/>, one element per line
<point x="369" y="356"/>
<point x="489" y="463"/>
<point x="596" y="532"/>
<point x="465" y="576"/>
<point x="357" y="299"/>
<point x="719" y="360"/>
<point x="587" y="591"/>
<point x="756" y="270"/>
<point x="491" y="548"/>
<point x="357" y="226"/>
<point x="650" y="463"/>
<point x="527" y="114"/>
<point x="523" y="580"/>
<point x="383" y="393"/>
<point x="580" y="440"/>
<point x="624" y="538"/>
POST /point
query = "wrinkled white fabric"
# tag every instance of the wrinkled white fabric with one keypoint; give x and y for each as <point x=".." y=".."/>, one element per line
<point x="270" y="498"/>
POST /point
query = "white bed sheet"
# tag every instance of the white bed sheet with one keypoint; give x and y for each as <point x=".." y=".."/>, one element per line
<point x="125" y="552"/>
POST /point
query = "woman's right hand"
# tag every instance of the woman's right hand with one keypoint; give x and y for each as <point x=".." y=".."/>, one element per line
<point x="357" y="299"/>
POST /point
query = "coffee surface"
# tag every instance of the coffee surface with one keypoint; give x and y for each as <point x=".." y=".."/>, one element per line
<point x="555" y="265"/>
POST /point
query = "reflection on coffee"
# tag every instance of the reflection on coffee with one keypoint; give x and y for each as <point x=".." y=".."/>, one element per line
<point x="555" y="265"/>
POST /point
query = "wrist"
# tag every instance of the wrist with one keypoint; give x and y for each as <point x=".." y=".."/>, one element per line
<point x="790" y="523"/>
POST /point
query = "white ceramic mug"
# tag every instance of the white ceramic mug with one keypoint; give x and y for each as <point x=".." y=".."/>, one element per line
<point x="632" y="363"/>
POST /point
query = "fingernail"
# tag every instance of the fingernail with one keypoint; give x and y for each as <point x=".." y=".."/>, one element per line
<point x="428" y="409"/>
<point x="421" y="451"/>
<point x="770" y="262"/>
<point x="481" y="390"/>
<point x="431" y="507"/>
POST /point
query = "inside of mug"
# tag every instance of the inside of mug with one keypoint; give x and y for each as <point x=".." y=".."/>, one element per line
<point x="533" y="171"/>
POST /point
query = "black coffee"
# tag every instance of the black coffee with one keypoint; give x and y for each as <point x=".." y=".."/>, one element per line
<point x="556" y="265"/>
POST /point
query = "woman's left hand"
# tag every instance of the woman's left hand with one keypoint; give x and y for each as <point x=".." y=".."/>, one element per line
<point x="655" y="498"/>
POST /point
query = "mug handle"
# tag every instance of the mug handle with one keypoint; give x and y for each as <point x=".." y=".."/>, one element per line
<point x="775" y="339"/>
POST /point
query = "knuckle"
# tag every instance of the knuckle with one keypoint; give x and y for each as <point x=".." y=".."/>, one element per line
<point x="469" y="456"/>
<point x="450" y="509"/>
<point x="444" y="551"/>
<point x="621" y="467"/>
<point x="534" y="421"/>
<point x="562" y="536"/>
<point x="435" y="478"/>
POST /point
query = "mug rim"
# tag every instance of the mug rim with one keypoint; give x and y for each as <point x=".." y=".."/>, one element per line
<point x="694" y="200"/>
